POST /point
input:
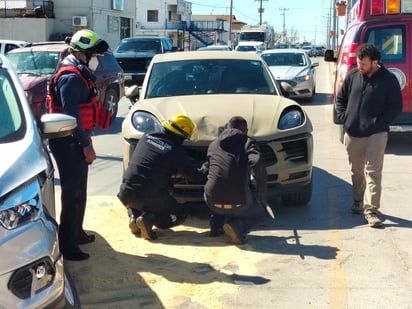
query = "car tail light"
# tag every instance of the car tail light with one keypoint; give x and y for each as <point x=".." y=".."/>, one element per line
<point x="380" y="7"/>
<point x="352" y="53"/>
<point x="392" y="7"/>
<point x="377" y="7"/>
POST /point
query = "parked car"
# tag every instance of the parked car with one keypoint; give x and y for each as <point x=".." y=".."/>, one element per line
<point x="8" y="45"/>
<point x="319" y="50"/>
<point x="294" y="67"/>
<point x="215" y="47"/>
<point x="32" y="272"/>
<point x="210" y="88"/>
<point x="250" y="46"/>
<point x="309" y="50"/>
<point x="135" y="53"/>
<point x="37" y="62"/>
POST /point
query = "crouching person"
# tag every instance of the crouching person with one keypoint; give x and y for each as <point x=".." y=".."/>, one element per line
<point x="233" y="157"/>
<point x="145" y="188"/>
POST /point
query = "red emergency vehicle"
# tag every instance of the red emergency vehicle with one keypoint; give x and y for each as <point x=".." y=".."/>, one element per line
<point x="387" y="24"/>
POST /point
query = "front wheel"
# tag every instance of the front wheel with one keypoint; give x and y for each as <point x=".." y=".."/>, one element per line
<point x="300" y="197"/>
<point x="111" y="100"/>
<point x="71" y="296"/>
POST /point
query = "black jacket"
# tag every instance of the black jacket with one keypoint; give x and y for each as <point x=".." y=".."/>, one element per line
<point x="156" y="158"/>
<point x="232" y="157"/>
<point x="366" y="106"/>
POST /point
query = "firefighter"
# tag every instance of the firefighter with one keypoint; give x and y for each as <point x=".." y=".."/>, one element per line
<point x="146" y="185"/>
<point x="73" y="92"/>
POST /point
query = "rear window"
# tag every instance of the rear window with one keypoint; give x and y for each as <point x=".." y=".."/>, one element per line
<point x="390" y="41"/>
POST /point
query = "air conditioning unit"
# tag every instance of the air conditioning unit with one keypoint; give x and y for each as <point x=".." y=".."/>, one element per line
<point x="79" y="21"/>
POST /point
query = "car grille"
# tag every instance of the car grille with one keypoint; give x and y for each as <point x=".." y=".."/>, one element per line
<point x="133" y="64"/>
<point x="269" y="157"/>
<point x="295" y="150"/>
<point x="32" y="278"/>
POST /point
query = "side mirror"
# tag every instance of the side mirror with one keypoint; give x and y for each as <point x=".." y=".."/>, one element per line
<point x="286" y="88"/>
<point x="132" y="92"/>
<point x="330" y="56"/>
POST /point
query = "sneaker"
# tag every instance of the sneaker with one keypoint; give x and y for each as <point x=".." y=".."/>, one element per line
<point x="234" y="234"/>
<point x="373" y="220"/>
<point x="133" y="226"/>
<point x="145" y="224"/>
<point x="357" y="207"/>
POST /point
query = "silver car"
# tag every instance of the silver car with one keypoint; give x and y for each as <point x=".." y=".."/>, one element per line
<point x="32" y="273"/>
<point x="293" y="67"/>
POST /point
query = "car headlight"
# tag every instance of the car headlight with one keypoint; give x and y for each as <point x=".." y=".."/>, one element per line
<point x="21" y="206"/>
<point x="290" y="119"/>
<point x="303" y="78"/>
<point x="145" y="122"/>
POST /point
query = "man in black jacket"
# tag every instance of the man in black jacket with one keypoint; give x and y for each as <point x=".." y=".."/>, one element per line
<point x="368" y="101"/>
<point x="146" y="181"/>
<point x="233" y="157"/>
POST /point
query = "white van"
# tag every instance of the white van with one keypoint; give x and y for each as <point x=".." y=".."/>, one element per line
<point x="8" y="45"/>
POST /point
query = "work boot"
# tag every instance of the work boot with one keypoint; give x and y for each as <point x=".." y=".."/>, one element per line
<point x="373" y="220"/>
<point x="133" y="226"/>
<point x="215" y="231"/>
<point x="357" y="207"/>
<point x="235" y="234"/>
<point x="145" y="224"/>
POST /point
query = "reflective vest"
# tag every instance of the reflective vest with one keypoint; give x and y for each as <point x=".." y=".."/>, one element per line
<point x="91" y="113"/>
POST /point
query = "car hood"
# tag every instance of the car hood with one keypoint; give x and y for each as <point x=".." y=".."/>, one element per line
<point x="289" y="72"/>
<point x="30" y="81"/>
<point x="20" y="161"/>
<point x="211" y="112"/>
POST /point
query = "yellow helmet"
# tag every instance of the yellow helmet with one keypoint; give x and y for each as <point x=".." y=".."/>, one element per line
<point x="88" y="40"/>
<point x="181" y="125"/>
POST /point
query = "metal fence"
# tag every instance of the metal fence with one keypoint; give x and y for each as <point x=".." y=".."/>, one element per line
<point x="26" y="8"/>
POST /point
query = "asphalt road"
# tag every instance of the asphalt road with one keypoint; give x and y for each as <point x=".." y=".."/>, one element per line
<point x="318" y="256"/>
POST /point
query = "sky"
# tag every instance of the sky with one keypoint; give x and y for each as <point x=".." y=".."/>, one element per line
<point x="309" y="18"/>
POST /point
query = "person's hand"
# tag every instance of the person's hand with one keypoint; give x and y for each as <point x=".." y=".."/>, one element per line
<point x="204" y="168"/>
<point x="89" y="154"/>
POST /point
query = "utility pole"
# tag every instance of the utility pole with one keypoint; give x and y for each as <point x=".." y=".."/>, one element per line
<point x="284" y="27"/>
<point x="230" y="24"/>
<point x="261" y="10"/>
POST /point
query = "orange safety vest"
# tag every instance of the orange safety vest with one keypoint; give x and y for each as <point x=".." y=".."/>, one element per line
<point x="91" y="113"/>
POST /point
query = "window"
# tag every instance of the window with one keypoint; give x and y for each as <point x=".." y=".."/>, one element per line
<point x="153" y="16"/>
<point x="390" y="42"/>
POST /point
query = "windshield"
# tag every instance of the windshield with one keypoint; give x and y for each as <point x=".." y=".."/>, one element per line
<point x="286" y="59"/>
<point x="141" y="45"/>
<point x="209" y="76"/>
<point x="252" y="36"/>
<point x="11" y="119"/>
<point x="34" y="62"/>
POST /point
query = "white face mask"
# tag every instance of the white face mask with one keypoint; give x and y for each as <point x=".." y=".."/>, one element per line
<point x="93" y="63"/>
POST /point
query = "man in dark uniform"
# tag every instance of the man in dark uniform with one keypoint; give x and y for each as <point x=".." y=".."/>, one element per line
<point x="146" y="182"/>
<point x="72" y="93"/>
<point x="233" y="157"/>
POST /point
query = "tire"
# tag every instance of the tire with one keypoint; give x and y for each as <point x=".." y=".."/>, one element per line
<point x="71" y="296"/>
<point x="301" y="197"/>
<point x="111" y="101"/>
